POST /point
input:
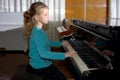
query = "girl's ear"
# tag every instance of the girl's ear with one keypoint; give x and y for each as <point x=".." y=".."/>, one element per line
<point x="36" y="17"/>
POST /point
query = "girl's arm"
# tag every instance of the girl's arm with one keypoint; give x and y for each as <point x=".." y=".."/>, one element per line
<point x="55" y="43"/>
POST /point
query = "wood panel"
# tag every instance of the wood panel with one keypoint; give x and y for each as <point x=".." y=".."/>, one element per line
<point x="90" y="10"/>
<point x="75" y="9"/>
<point x="96" y="11"/>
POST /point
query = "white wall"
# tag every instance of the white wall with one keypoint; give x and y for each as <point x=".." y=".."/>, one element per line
<point x="13" y="40"/>
<point x="9" y="21"/>
<point x="11" y="32"/>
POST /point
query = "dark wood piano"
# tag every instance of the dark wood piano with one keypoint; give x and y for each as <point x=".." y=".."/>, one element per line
<point x="89" y="62"/>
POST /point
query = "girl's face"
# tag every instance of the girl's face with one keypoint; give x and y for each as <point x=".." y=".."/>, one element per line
<point x="43" y="17"/>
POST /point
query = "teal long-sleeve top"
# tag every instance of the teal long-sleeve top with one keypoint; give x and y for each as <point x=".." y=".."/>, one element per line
<point x="39" y="52"/>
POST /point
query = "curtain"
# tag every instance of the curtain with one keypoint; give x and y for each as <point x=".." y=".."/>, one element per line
<point x="56" y="12"/>
<point x="114" y="12"/>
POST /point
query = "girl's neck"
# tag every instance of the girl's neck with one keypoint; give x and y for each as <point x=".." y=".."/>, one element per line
<point x="39" y="25"/>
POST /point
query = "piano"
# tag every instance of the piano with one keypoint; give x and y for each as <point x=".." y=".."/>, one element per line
<point x="89" y="61"/>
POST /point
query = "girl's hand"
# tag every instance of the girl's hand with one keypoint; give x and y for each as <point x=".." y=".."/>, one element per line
<point x="107" y="52"/>
<point x="70" y="54"/>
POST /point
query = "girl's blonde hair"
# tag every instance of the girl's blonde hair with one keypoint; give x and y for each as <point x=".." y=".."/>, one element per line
<point x="29" y="21"/>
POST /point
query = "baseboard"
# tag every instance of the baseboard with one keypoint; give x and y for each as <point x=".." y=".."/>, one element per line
<point x="12" y="52"/>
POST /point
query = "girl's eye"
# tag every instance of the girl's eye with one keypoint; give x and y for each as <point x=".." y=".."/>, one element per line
<point x="46" y="15"/>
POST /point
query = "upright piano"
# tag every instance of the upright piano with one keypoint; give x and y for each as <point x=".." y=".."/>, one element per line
<point x="89" y="61"/>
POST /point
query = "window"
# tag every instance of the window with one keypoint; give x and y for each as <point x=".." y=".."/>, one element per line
<point x="56" y="7"/>
<point x="114" y="12"/>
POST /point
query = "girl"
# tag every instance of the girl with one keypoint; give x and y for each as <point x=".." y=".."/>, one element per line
<point x="41" y="57"/>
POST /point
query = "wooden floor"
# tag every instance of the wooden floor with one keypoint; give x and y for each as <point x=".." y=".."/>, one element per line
<point x="10" y="61"/>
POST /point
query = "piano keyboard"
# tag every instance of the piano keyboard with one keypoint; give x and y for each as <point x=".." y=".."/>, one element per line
<point x="84" y="61"/>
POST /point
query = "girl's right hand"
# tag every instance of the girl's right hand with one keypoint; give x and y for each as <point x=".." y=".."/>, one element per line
<point x="70" y="54"/>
